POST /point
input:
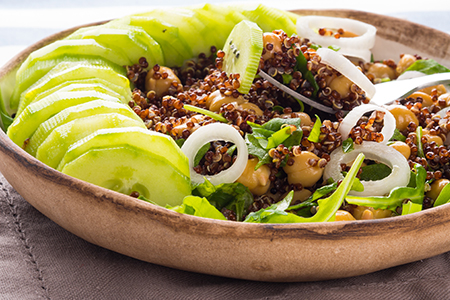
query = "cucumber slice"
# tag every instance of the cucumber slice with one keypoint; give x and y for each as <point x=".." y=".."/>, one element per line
<point x="61" y="137"/>
<point x="124" y="94"/>
<point x="65" y="71"/>
<point x="34" y="114"/>
<point x="270" y="19"/>
<point x="175" y="49"/>
<point x="80" y="111"/>
<point x="243" y="50"/>
<point x="126" y="169"/>
<point x="190" y="28"/>
<point x="131" y="40"/>
<point x="29" y="73"/>
<point x="156" y="143"/>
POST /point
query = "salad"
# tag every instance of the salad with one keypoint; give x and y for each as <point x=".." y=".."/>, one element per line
<point x="213" y="125"/>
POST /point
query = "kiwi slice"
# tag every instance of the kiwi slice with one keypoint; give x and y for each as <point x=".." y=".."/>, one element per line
<point x="243" y="50"/>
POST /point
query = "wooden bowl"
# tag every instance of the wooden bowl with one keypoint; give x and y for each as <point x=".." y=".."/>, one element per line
<point x="265" y="252"/>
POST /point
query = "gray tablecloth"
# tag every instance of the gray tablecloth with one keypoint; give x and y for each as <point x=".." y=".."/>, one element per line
<point x="40" y="260"/>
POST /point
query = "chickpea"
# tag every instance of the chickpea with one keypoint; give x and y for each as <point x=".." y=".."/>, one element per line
<point x="369" y="213"/>
<point x="405" y="61"/>
<point x="161" y="86"/>
<point x="302" y="172"/>
<point x="251" y="106"/>
<point x="427" y="101"/>
<point x="401" y="147"/>
<point x="275" y="41"/>
<point x="343" y="215"/>
<point x="342" y="85"/>
<point x="439" y="88"/>
<point x="304" y="117"/>
<point x="446" y="98"/>
<point x="216" y="99"/>
<point x="301" y="195"/>
<point x="257" y="181"/>
<point x="436" y="188"/>
<point x="403" y="116"/>
<point x="432" y="138"/>
<point x="380" y="70"/>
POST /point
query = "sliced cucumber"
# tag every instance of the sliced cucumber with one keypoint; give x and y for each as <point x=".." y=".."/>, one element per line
<point x="175" y="49"/>
<point x="91" y="108"/>
<point x="61" y="137"/>
<point x="131" y="40"/>
<point x="67" y="86"/>
<point x="66" y="71"/>
<point x="41" y="61"/>
<point x="270" y="19"/>
<point x="34" y="114"/>
<point x="189" y="26"/>
<point x="154" y="142"/>
<point x="126" y="169"/>
<point x="243" y="50"/>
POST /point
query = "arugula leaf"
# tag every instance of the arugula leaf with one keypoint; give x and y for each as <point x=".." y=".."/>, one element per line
<point x="206" y="112"/>
<point x="398" y="136"/>
<point x="271" y="134"/>
<point x="301" y="66"/>
<point x="274" y="213"/>
<point x="444" y="196"/>
<point x="427" y="66"/>
<point x="180" y="142"/>
<point x="198" y="206"/>
<point x="314" y="135"/>
<point x="327" y="207"/>
<point x="374" y="172"/>
<point x="419" y="141"/>
<point x="234" y="196"/>
<point x="397" y="195"/>
<point x="347" y="145"/>
<point x="410" y="207"/>
<point x="286" y="78"/>
<point x="201" y="152"/>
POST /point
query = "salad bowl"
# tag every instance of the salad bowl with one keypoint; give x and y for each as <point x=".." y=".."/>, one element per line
<point x="262" y="252"/>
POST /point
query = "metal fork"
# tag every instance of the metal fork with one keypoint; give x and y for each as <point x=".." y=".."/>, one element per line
<point x="385" y="93"/>
<point x="390" y="91"/>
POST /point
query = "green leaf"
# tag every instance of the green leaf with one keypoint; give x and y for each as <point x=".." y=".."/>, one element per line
<point x="410" y="207"/>
<point x="398" y="136"/>
<point x="334" y="48"/>
<point x="234" y="196"/>
<point x="347" y="145"/>
<point x="374" y="172"/>
<point x="201" y="152"/>
<point x="427" y="66"/>
<point x="278" y="137"/>
<point x="180" y="142"/>
<point x="301" y="66"/>
<point x="419" y="141"/>
<point x="397" y="195"/>
<point x="286" y="78"/>
<point x="314" y="135"/>
<point x="327" y="207"/>
<point x="198" y="206"/>
<point x="206" y="112"/>
<point x="444" y="196"/>
<point x="231" y="150"/>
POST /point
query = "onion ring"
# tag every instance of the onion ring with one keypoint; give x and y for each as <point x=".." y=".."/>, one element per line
<point x="308" y="26"/>
<point x="355" y="114"/>
<point x="399" y="176"/>
<point x="347" y="68"/>
<point x="210" y="133"/>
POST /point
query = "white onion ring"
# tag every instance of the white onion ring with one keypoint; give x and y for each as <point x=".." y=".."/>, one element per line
<point x="347" y="68"/>
<point x="374" y="151"/>
<point x="355" y="114"/>
<point x="210" y="133"/>
<point x="308" y="26"/>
